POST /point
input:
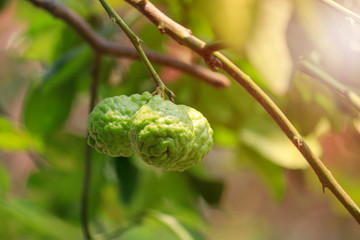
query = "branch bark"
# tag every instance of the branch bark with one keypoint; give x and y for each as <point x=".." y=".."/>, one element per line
<point x="217" y="60"/>
<point x="100" y="44"/>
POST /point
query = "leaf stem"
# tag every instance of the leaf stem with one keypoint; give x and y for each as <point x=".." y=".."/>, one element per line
<point x="135" y="40"/>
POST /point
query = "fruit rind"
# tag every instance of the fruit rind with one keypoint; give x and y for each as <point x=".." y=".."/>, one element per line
<point x="162" y="135"/>
<point x="203" y="132"/>
<point x="109" y="123"/>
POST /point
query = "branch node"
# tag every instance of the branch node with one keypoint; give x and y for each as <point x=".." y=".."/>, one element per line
<point x="161" y="90"/>
<point x="141" y="2"/>
<point x="170" y="95"/>
<point x="139" y="40"/>
<point x="213" y="62"/>
<point x="207" y="52"/>
<point x="161" y="28"/>
<point x="298" y="141"/>
<point x="211" y="47"/>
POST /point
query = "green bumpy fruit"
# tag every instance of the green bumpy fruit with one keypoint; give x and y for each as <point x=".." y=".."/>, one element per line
<point x="163" y="134"/>
<point x="203" y="141"/>
<point x="109" y="123"/>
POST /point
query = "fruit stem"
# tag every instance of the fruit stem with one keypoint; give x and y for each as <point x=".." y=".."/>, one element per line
<point x="136" y="41"/>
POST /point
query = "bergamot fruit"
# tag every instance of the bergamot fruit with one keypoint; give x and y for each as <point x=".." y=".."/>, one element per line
<point x="163" y="134"/>
<point x="110" y="121"/>
<point x="203" y="141"/>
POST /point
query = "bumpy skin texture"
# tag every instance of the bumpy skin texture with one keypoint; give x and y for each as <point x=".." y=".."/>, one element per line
<point x="203" y="141"/>
<point x="141" y="99"/>
<point x="162" y="135"/>
<point x="109" y="123"/>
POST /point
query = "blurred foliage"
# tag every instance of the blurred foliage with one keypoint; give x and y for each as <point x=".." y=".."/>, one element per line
<point x="48" y="68"/>
<point x="13" y="139"/>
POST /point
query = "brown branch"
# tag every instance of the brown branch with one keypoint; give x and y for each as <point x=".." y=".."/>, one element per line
<point x="185" y="37"/>
<point x="341" y="9"/>
<point x="102" y="45"/>
<point x="312" y="70"/>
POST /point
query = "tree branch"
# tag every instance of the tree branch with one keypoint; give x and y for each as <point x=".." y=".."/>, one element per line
<point x="184" y="36"/>
<point x="102" y="45"/>
<point x="313" y="71"/>
<point x="88" y="150"/>
<point x="342" y="9"/>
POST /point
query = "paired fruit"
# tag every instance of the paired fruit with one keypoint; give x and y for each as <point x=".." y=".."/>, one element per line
<point x="163" y="134"/>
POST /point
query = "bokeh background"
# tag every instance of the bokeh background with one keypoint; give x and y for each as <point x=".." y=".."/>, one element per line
<point x="253" y="184"/>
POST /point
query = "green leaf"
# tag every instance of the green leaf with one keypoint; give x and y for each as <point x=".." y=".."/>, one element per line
<point x="152" y="38"/>
<point x="209" y="188"/>
<point x="13" y="139"/>
<point x="234" y="32"/>
<point x="136" y="80"/>
<point x="149" y="229"/>
<point x="173" y="224"/>
<point x="3" y="3"/>
<point x="158" y="225"/>
<point x="67" y="167"/>
<point x="272" y="174"/>
<point x="38" y="220"/>
<point x="225" y="137"/>
<point x="4" y="181"/>
<point x="127" y="175"/>
<point x="276" y="148"/>
<point x="267" y="42"/>
<point x="47" y="111"/>
<point x="264" y="137"/>
<point x="68" y="67"/>
<point x="48" y="105"/>
<point x="45" y="34"/>
<point x="307" y="92"/>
